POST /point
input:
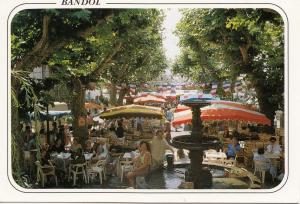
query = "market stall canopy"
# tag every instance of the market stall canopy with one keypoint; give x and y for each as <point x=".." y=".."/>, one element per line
<point x="132" y="111"/>
<point x="59" y="106"/>
<point x="180" y="108"/>
<point x="217" y="112"/>
<point x="51" y="114"/>
<point x="91" y="105"/>
<point x="149" y="99"/>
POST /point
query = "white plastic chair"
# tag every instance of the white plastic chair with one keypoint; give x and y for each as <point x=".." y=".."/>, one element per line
<point x="261" y="167"/>
<point x="77" y="169"/>
<point x="44" y="171"/>
<point x="126" y="166"/>
<point x="97" y="169"/>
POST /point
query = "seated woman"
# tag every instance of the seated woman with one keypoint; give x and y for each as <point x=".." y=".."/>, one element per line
<point x="181" y="156"/>
<point x="226" y="132"/>
<point x="233" y="148"/>
<point x="58" y="146"/>
<point x="142" y="164"/>
<point x="45" y="154"/>
<point x="78" y="157"/>
<point x="273" y="147"/>
<point x="88" y="147"/>
<point x="75" y="145"/>
<point x="102" y="150"/>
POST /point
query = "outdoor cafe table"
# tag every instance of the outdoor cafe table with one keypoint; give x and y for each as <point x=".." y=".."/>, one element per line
<point x="62" y="160"/>
<point x="274" y="158"/>
<point x="212" y="155"/>
<point x="88" y="156"/>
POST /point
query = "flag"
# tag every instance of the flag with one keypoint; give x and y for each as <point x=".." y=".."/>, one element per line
<point x="226" y="86"/>
<point x="214" y="87"/>
<point x="173" y="89"/>
<point x="200" y="94"/>
<point x="132" y="88"/>
<point x="238" y="86"/>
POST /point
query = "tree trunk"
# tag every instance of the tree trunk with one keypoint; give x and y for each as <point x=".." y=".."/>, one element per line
<point x="257" y="80"/>
<point x="16" y="140"/>
<point x="263" y="95"/>
<point x="80" y="130"/>
<point x="122" y="94"/>
<point x="113" y="95"/>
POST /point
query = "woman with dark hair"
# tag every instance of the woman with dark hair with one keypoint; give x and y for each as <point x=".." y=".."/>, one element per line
<point x="58" y="146"/>
<point x="120" y="129"/>
<point x="273" y="147"/>
<point x="143" y="163"/>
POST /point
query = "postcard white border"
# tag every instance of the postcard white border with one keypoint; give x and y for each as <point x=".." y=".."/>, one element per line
<point x="168" y="4"/>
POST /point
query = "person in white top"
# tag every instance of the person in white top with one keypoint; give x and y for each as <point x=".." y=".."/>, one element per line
<point x="273" y="147"/>
<point x="159" y="145"/>
<point x="267" y="164"/>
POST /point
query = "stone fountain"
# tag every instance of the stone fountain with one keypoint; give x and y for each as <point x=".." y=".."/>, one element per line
<point x="196" y="143"/>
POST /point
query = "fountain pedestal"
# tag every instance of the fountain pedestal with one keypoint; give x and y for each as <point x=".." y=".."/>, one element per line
<point x="196" y="143"/>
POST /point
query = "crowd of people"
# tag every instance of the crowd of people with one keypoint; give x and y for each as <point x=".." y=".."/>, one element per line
<point x="108" y="139"/>
<point x="103" y="141"/>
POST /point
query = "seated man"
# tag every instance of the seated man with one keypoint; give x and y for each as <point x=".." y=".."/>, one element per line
<point x="273" y="147"/>
<point x="159" y="145"/>
<point x="233" y="148"/>
<point x="259" y="156"/>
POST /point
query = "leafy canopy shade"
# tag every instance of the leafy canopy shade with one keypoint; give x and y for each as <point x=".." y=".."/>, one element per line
<point x="132" y="111"/>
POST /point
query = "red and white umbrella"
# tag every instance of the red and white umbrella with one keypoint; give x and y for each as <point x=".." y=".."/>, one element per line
<point x="149" y="99"/>
<point x="217" y="112"/>
<point x="180" y="108"/>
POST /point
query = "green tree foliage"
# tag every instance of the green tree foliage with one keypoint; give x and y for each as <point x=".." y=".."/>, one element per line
<point x="80" y="46"/>
<point x="219" y="44"/>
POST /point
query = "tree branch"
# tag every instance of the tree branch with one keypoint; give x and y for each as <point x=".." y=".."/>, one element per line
<point x="104" y="64"/>
<point x="44" y="48"/>
<point x="41" y="45"/>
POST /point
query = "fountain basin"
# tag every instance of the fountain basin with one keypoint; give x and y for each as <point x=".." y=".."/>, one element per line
<point x="189" y="143"/>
